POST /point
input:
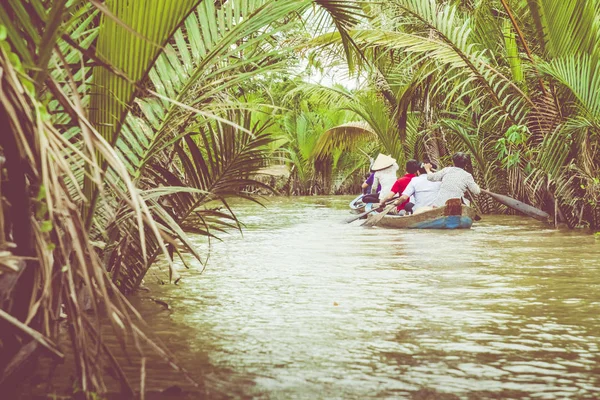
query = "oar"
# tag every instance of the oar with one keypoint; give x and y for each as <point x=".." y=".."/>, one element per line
<point x="519" y="206"/>
<point x="374" y="220"/>
<point x="359" y="216"/>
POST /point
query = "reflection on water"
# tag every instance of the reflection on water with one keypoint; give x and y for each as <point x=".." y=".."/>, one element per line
<point x="304" y="306"/>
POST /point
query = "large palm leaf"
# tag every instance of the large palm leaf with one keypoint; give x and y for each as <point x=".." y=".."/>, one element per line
<point x="567" y="27"/>
<point x="131" y="37"/>
<point x="198" y="78"/>
<point x="217" y="161"/>
<point x="580" y="74"/>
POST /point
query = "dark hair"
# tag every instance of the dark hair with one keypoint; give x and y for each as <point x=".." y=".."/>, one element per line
<point x="422" y="169"/>
<point x="412" y="166"/>
<point x="461" y="160"/>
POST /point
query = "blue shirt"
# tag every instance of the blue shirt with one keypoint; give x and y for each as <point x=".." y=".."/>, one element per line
<point x="369" y="182"/>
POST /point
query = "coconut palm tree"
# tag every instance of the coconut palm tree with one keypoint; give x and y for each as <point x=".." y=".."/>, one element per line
<point x="520" y="74"/>
<point x="98" y="184"/>
<point x="302" y="124"/>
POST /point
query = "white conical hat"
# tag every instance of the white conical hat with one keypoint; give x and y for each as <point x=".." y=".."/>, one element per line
<point x="382" y="162"/>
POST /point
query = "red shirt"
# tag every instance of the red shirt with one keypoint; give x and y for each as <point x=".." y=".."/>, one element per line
<point x="400" y="185"/>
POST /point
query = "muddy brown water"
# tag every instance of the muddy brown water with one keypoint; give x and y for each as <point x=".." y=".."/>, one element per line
<point x="302" y="306"/>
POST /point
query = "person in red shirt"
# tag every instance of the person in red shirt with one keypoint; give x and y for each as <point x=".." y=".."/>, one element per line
<point x="412" y="166"/>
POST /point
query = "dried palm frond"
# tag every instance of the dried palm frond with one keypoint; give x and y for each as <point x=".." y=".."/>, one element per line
<point x="44" y="216"/>
<point x="544" y="117"/>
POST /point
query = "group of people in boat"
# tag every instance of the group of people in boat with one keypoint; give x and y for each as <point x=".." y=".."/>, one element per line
<point x="421" y="188"/>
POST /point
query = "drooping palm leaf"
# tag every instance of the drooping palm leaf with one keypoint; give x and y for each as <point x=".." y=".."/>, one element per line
<point x="344" y="15"/>
<point x="581" y="75"/>
<point x="215" y="64"/>
<point x="154" y="21"/>
<point x="346" y="137"/>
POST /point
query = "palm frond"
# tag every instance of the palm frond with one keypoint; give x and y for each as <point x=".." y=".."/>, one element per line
<point x="131" y="53"/>
<point x="346" y="137"/>
<point x="581" y="75"/>
<point x="344" y="15"/>
<point x="569" y="27"/>
<point x="218" y="161"/>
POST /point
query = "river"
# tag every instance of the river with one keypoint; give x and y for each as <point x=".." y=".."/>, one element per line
<point x="302" y="306"/>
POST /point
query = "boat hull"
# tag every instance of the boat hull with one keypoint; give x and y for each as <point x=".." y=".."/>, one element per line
<point x="432" y="219"/>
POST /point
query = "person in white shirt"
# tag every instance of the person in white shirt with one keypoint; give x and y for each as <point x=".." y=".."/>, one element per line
<point x="421" y="191"/>
<point x="385" y="168"/>
<point x="455" y="180"/>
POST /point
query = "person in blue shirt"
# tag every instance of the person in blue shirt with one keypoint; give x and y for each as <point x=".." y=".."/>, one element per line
<point x="366" y="186"/>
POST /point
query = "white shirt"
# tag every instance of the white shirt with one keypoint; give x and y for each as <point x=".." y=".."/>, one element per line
<point x="423" y="190"/>
<point x="386" y="178"/>
<point x="455" y="182"/>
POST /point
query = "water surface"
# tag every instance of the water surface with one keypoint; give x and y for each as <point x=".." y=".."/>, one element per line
<point x="303" y="306"/>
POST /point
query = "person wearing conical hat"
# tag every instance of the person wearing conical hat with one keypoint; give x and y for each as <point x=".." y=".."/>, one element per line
<point x="385" y="168"/>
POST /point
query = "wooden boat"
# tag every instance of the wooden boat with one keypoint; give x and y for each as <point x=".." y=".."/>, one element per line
<point x="447" y="217"/>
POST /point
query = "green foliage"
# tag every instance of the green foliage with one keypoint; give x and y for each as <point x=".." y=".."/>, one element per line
<point x="119" y="178"/>
<point x="302" y="130"/>
<point x="456" y="73"/>
<point x="568" y="27"/>
<point x="135" y="119"/>
<point x="513" y="147"/>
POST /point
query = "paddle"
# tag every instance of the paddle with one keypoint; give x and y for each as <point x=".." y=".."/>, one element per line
<point x="374" y="220"/>
<point x="518" y="205"/>
<point x="359" y="216"/>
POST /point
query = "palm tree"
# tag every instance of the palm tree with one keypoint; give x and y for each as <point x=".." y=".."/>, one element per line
<point x="122" y="122"/>
<point x="474" y="74"/>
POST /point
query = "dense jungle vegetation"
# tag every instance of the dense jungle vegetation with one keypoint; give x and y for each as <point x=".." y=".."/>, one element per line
<point x="122" y="120"/>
